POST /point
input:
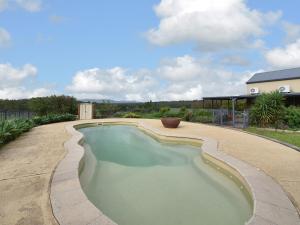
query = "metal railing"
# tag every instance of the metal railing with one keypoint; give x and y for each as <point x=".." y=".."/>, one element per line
<point x="225" y="117"/>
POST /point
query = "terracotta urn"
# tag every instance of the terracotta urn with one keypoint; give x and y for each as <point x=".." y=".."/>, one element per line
<point x="170" y="122"/>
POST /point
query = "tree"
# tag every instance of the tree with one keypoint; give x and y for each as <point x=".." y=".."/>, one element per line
<point x="53" y="105"/>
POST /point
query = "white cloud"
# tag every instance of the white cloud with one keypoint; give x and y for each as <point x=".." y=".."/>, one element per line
<point x="181" y="68"/>
<point x="286" y="57"/>
<point x="189" y="78"/>
<point x="11" y="76"/>
<point x="182" y="92"/>
<point x="30" y="5"/>
<point x="235" y="60"/>
<point x="5" y="38"/>
<point x="23" y="92"/>
<point x="208" y="80"/>
<point x="292" y="31"/>
<point x="258" y="44"/>
<point x="211" y="24"/>
<point x="115" y="83"/>
<point x="3" y="5"/>
<point x="13" y="82"/>
<point x="181" y="78"/>
<point x="56" y="19"/>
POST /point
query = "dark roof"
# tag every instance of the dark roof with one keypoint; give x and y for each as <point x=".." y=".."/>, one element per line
<point x="287" y="74"/>
<point x="294" y="94"/>
<point x="230" y="97"/>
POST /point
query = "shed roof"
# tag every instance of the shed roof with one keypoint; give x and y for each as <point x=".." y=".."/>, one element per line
<point x="287" y="74"/>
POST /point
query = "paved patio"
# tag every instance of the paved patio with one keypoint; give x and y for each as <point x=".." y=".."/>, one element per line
<point x="26" y="166"/>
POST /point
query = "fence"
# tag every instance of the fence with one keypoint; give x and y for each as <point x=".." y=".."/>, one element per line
<point x="225" y="117"/>
<point x="9" y="115"/>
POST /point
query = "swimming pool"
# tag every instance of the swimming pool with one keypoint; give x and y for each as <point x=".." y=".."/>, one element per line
<point x="136" y="180"/>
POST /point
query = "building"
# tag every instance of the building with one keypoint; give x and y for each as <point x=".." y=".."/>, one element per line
<point x="285" y="81"/>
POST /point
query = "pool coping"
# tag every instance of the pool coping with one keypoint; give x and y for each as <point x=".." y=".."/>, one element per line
<point x="271" y="205"/>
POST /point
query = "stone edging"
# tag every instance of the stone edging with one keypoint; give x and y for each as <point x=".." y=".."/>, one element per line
<point x="71" y="206"/>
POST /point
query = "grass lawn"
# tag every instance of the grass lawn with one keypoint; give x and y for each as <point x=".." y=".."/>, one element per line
<point x="288" y="137"/>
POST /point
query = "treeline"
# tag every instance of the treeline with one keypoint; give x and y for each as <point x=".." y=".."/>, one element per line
<point x="14" y="105"/>
<point x="104" y="110"/>
<point x="42" y="105"/>
<point x="67" y="104"/>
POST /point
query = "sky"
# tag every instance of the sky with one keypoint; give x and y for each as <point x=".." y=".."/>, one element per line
<point x="143" y="50"/>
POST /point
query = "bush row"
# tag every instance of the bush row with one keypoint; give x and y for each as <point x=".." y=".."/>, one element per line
<point x="201" y="116"/>
<point x="55" y="118"/>
<point x="11" y="129"/>
<point x="292" y="117"/>
<point x="131" y="115"/>
<point x="269" y="111"/>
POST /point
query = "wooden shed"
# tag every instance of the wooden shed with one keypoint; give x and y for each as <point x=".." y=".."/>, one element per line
<point x="86" y="111"/>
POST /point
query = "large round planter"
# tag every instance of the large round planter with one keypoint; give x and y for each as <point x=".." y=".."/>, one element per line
<point x="170" y="122"/>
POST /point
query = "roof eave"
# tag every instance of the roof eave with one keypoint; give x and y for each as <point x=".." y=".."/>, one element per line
<point x="263" y="81"/>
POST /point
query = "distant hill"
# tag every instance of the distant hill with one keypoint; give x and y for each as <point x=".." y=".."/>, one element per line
<point x="106" y="101"/>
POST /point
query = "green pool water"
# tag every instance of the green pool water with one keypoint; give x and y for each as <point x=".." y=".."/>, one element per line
<point x="136" y="180"/>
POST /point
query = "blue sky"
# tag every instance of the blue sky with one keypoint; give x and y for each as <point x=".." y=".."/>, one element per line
<point x="132" y="50"/>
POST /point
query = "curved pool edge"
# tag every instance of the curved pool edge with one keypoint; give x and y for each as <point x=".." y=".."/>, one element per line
<point x="71" y="206"/>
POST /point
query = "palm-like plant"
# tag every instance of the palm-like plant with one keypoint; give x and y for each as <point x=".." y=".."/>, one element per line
<point x="268" y="109"/>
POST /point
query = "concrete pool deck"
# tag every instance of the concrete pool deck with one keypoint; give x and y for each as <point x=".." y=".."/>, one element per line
<point x="26" y="167"/>
<point x="27" y="164"/>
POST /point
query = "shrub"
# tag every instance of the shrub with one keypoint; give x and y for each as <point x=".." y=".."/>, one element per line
<point x="131" y="115"/>
<point x="292" y="117"/>
<point x="10" y="130"/>
<point x="183" y="110"/>
<point x="172" y="114"/>
<point x="41" y="120"/>
<point x="200" y="115"/>
<point x="188" y="116"/>
<point x="104" y="110"/>
<point x="119" y="114"/>
<point x="164" y="110"/>
<point x="268" y="109"/>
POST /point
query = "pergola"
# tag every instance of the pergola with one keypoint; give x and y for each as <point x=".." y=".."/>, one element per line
<point x="231" y="102"/>
<point x="291" y="99"/>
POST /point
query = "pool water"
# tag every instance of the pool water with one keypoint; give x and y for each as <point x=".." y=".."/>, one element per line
<point x="136" y="180"/>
